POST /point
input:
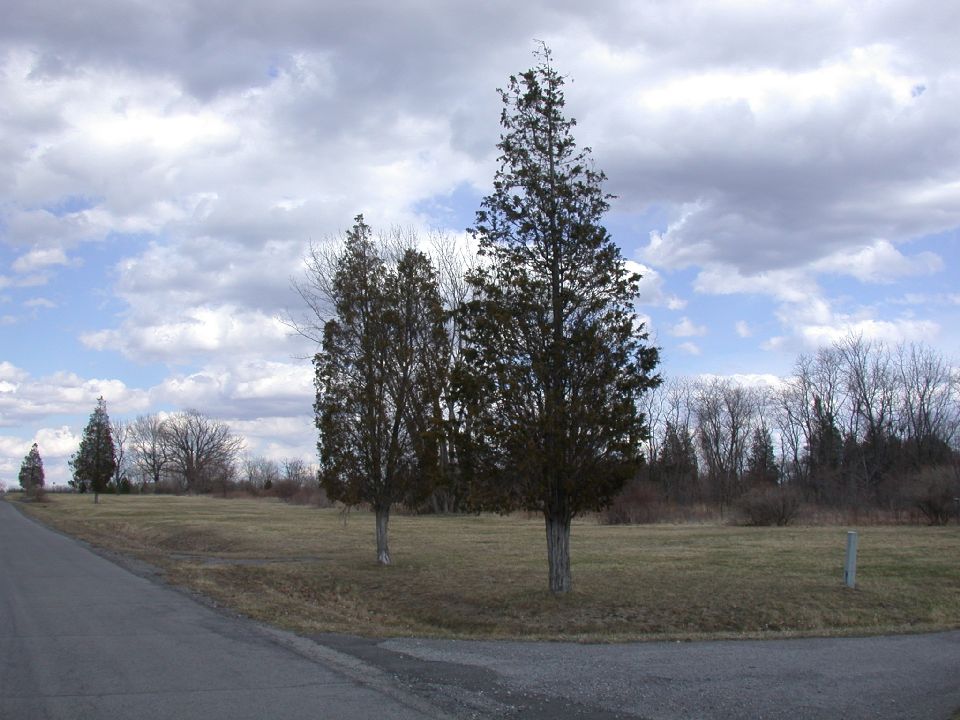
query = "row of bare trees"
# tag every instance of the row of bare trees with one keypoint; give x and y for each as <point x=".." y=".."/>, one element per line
<point x="192" y="452"/>
<point x="259" y="473"/>
<point x="856" y="423"/>
<point x="187" y="451"/>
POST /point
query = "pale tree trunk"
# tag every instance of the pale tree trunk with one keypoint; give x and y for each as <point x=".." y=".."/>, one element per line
<point x="383" y="550"/>
<point x="96" y="498"/>
<point x="558" y="553"/>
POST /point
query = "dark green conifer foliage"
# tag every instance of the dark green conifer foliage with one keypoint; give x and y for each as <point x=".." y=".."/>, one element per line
<point x="556" y="359"/>
<point x="379" y="378"/>
<point x="95" y="461"/>
<point x="31" y="471"/>
<point x="677" y="466"/>
<point x="762" y="466"/>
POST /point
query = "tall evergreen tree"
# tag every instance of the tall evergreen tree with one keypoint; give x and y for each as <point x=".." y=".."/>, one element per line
<point x="555" y="361"/>
<point x="379" y="377"/>
<point x="31" y="471"/>
<point x="761" y="462"/>
<point x="677" y="465"/>
<point x="95" y="461"/>
<point x="825" y="452"/>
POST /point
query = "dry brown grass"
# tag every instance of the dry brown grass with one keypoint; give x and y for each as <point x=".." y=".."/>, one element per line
<point x="311" y="570"/>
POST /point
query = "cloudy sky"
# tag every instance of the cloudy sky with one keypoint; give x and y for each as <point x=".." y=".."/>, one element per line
<point x="785" y="174"/>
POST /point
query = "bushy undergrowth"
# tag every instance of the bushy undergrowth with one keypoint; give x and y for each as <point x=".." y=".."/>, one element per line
<point x="772" y="505"/>
<point x="38" y="495"/>
<point x="935" y="492"/>
<point x="639" y="502"/>
<point x="928" y="496"/>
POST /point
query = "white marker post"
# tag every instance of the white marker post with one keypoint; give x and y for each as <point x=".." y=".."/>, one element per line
<point x="850" y="569"/>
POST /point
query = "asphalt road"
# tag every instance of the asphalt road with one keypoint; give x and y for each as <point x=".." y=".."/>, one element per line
<point x="82" y="637"/>
<point x="899" y="678"/>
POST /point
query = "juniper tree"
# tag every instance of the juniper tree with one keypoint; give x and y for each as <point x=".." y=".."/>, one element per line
<point x="379" y="377"/>
<point x="761" y="462"/>
<point x="95" y="461"/>
<point x="677" y="465"/>
<point x="556" y="359"/>
<point x="31" y="471"/>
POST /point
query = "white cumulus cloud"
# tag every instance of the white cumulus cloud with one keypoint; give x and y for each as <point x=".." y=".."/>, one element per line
<point x="687" y="328"/>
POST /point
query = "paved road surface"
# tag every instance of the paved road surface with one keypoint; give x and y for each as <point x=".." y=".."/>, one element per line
<point x="895" y="678"/>
<point x="80" y="637"/>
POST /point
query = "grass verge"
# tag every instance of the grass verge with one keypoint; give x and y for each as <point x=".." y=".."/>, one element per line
<point x="311" y="570"/>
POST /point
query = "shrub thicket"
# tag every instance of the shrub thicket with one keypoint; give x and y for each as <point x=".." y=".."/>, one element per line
<point x="766" y="505"/>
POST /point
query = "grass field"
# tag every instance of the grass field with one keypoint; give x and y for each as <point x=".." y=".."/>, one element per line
<point x="313" y="570"/>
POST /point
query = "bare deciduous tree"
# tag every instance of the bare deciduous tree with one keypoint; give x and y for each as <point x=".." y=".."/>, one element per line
<point x="297" y="471"/>
<point x="930" y="413"/>
<point x="148" y="449"/>
<point x="870" y="385"/>
<point x="121" y="446"/>
<point x="260" y="472"/>
<point x="202" y="451"/>
<point x="724" y="413"/>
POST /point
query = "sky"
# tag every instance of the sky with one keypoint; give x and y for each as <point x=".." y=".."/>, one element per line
<point x="785" y="174"/>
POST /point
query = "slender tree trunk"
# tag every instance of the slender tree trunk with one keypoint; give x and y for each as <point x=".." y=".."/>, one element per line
<point x="558" y="553"/>
<point x="383" y="550"/>
<point x="96" y="498"/>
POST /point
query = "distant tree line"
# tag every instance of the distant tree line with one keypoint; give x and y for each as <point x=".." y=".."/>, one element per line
<point x="859" y="424"/>
<point x="185" y="452"/>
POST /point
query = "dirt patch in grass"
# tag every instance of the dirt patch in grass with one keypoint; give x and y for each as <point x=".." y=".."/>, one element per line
<point x="313" y="570"/>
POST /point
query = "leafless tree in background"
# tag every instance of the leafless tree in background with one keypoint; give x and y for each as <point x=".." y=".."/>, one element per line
<point x="724" y="413"/>
<point x="930" y="413"/>
<point x="299" y="472"/>
<point x="121" y="451"/>
<point x="452" y="260"/>
<point x="870" y="384"/>
<point x="201" y="451"/>
<point x="260" y="472"/>
<point x="147" y="447"/>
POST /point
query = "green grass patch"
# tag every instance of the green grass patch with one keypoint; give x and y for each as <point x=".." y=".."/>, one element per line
<point x="313" y="570"/>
